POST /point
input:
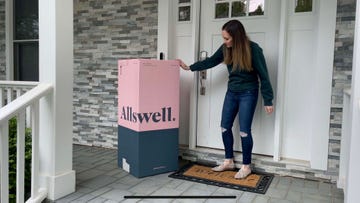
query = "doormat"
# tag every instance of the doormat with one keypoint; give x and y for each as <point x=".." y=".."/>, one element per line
<point x="256" y="182"/>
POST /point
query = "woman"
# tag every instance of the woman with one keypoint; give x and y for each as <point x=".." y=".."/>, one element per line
<point x="246" y="66"/>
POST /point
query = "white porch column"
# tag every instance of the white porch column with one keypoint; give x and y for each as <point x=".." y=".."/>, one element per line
<point x="56" y="67"/>
<point x="352" y="188"/>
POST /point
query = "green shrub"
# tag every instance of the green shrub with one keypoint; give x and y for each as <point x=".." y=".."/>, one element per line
<point x="12" y="161"/>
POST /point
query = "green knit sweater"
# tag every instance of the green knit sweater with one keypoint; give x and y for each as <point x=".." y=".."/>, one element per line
<point x="243" y="80"/>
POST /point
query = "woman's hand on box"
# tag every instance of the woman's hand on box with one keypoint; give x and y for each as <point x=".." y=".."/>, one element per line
<point x="183" y="65"/>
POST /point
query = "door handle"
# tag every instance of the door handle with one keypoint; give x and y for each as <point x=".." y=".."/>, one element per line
<point x="203" y="74"/>
<point x="203" y="55"/>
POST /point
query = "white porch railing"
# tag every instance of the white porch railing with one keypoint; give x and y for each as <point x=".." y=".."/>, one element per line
<point x="15" y="98"/>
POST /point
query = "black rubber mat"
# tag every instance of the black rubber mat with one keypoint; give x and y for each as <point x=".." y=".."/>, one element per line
<point x="257" y="182"/>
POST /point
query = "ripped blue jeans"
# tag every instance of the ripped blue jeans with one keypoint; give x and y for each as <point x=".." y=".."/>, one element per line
<point x="243" y="104"/>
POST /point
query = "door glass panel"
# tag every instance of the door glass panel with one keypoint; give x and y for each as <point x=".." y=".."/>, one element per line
<point x="26" y="45"/>
<point x="184" y="13"/>
<point x="238" y="8"/>
<point x="256" y="7"/>
<point x="222" y="10"/>
<point x="184" y="10"/>
<point x="303" y="6"/>
<point x="26" y="23"/>
<point x="26" y="61"/>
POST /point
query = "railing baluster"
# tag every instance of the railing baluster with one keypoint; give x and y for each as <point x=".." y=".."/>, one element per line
<point x="27" y="112"/>
<point x="2" y="98"/>
<point x="9" y="95"/>
<point x="18" y="92"/>
<point x="20" y="157"/>
<point x="4" y="162"/>
<point x="28" y="118"/>
<point x="35" y="149"/>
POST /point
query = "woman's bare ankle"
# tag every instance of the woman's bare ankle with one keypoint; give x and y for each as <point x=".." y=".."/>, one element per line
<point x="228" y="161"/>
<point x="245" y="167"/>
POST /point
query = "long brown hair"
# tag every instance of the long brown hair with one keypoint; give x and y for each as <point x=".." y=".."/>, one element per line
<point x="239" y="55"/>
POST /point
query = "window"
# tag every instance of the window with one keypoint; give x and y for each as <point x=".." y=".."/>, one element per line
<point x="184" y="13"/>
<point x="222" y="10"/>
<point x="236" y="8"/>
<point x="26" y="40"/>
<point x="303" y="6"/>
<point x="256" y="7"/>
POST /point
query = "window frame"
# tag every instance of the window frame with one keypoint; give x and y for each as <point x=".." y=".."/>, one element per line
<point x="10" y="41"/>
<point x="313" y="4"/>
<point x="184" y="4"/>
<point x="247" y="16"/>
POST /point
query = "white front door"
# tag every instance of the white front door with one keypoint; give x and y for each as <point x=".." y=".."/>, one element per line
<point x="263" y="29"/>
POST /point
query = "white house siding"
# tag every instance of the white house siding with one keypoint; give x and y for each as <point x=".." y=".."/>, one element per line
<point x="2" y="41"/>
<point x="344" y="41"/>
<point x="105" y="31"/>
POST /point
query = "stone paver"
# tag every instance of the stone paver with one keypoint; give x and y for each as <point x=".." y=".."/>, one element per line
<point x="99" y="180"/>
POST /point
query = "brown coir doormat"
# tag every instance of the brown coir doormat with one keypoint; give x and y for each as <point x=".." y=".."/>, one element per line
<point x="255" y="182"/>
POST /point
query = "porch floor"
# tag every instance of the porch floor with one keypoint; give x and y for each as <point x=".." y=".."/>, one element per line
<point x="98" y="179"/>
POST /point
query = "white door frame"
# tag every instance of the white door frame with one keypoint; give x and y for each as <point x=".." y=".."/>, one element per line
<point x="319" y="150"/>
<point x="166" y="27"/>
<point x="194" y="93"/>
<point x="163" y="46"/>
<point x="278" y="129"/>
<point x="280" y="81"/>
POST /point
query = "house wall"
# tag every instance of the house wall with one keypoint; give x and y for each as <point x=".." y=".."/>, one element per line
<point x="119" y="30"/>
<point x="341" y="79"/>
<point x="344" y="40"/>
<point x="105" y="31"/>
<point x="2" y="41"/>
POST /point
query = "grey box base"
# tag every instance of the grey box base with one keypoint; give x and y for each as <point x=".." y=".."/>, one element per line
<point x="149" y="152"/>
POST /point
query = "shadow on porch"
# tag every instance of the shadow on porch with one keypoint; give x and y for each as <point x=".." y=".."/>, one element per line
<point x="98" y="179"/>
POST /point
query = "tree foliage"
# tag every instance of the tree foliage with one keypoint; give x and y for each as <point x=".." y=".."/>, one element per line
<point x="12" y="160"/>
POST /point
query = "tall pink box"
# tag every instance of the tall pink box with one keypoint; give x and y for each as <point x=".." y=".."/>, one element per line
<point x="148" y="115"/>
<point x="148" y="94"/>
